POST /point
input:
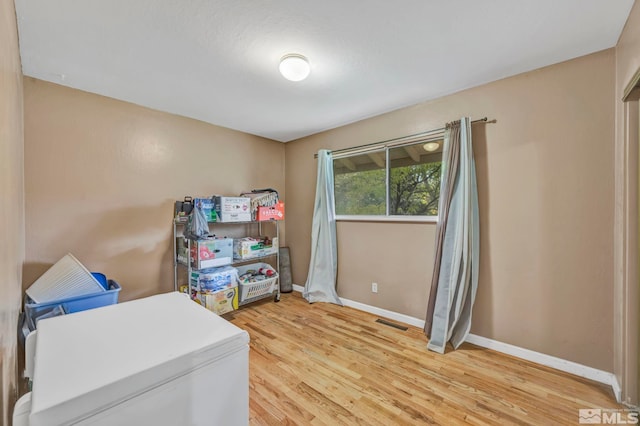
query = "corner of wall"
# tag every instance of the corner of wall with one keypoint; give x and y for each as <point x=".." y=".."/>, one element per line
<point x="12" y="228"/>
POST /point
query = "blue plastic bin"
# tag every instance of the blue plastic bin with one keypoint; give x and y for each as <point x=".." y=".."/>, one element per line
<point x="75" y="304"/>
<point x="102" y="279"/>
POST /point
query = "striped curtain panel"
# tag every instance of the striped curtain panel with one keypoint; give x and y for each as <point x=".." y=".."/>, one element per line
<point x="455" y="273"/>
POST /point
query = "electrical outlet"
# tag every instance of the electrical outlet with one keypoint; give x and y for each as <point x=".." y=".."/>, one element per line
<point x="374" y="287"/>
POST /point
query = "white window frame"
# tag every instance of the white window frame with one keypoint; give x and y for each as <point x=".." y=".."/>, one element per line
<point x="391" y="218"/>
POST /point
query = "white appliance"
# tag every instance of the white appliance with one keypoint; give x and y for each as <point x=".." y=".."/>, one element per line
<point x="162" y="360"/>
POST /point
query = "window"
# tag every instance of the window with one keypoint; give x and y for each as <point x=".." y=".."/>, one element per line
<point x="359" y="183"/>
<point x="395" y="181"/>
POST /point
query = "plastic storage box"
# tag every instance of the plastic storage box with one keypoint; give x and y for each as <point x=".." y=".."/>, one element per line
<point x="34" y="311"/>
<point x="251" y="290"/>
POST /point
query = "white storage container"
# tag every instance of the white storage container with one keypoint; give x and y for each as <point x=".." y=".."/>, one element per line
<point x="250" y="290"/>
<point x="162" y="360"/>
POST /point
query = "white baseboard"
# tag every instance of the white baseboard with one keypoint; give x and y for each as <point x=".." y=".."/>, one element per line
<point x="375" y="310"/>
<point x="617" y="389"/>
<point x="383" y="313"/>
<point x="548" y="361"/>
<point x="527" y="354"/>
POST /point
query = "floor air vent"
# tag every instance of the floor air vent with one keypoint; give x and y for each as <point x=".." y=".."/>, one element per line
<point x="391" y="324"/>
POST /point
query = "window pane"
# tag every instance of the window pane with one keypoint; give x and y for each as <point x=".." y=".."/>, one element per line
<point x="414" y="181"/>
<point x="360" y="184"/>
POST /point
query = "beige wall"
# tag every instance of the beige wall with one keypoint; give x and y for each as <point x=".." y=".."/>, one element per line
<point x="545" y="181"/>
<point x="625" y="248"/>
<point x="101" y="177"/>
<point x="11" y="203"/>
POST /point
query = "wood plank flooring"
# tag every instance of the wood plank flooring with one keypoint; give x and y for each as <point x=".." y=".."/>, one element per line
<point x="323" y="364"/>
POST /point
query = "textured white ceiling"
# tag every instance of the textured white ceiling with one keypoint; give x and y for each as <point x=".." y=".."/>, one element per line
<point x="217" y="60"/>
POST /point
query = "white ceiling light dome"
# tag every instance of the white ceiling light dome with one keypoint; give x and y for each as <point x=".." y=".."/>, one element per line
<point x="294" y="67"/>
<point x="431" y="146"/>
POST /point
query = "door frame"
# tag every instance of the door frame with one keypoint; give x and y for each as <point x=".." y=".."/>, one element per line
<point x="627" y="249"/>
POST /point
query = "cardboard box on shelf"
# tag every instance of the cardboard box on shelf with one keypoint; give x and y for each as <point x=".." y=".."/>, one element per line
<point x="233" y="209"/>
<point x="211" y="252"/>
<point x="195" y="296"/>
<point x="260" y="198"/>
<point x="221" y="301"/>
<point x="207" y="205"/>
<point x="272" y="212"/>
<point x="249" y="248"/>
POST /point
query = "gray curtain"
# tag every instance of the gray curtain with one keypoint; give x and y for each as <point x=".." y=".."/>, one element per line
<point x="323" y="265"/>
<point x="455" y="274"/>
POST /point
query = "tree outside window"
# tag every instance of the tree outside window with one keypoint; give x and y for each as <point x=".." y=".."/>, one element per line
<point x="413" y="178"/>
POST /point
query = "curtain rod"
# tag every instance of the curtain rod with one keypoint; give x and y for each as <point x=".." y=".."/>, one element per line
<point x="398" y="139"/>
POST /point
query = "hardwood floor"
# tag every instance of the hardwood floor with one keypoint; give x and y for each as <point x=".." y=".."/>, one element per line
<point x="323" y="364"/>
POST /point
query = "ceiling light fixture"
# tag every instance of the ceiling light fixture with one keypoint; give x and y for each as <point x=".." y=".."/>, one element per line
<point x="294" y="67"/>
<point x="431" y="146"/>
